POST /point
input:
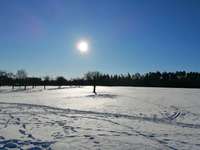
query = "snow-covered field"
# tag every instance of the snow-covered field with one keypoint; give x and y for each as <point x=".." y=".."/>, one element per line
<point x="115" y="118"/>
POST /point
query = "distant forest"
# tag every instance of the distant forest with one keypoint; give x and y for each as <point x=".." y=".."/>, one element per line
<point x="181" y="79"/>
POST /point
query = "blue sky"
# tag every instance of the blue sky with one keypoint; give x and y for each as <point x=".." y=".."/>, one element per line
<point x="124" y="36"/>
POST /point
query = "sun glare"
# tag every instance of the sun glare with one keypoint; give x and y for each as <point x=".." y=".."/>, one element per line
<point x="82" y="46"/>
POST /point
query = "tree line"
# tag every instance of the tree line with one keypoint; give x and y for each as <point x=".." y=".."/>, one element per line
<point x="152" y="79"/>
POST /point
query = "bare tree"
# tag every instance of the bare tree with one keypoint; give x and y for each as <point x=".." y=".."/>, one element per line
<point x="92" y="77"/>
<point x="46" y="81"/>
<point x="12" y="77"/>
<point x="61" y="81"/>
<point x="22" y="75"/>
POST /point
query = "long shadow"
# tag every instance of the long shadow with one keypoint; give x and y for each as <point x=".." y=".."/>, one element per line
<point x="111" y="96"/>
<point x="102" y="96"/>
<point x="59" y="88"/>
<point x="30" y="89"/>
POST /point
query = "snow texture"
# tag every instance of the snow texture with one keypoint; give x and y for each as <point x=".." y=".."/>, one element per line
<point x="115" y="118"/>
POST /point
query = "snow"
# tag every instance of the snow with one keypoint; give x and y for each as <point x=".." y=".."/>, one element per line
<point x="115" y="118"/>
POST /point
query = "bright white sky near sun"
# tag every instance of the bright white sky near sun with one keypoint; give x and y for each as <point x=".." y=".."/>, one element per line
<point x="83" y="46"/>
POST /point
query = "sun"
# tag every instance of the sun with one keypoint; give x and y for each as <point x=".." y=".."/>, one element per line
<point x="83" y="46"/>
